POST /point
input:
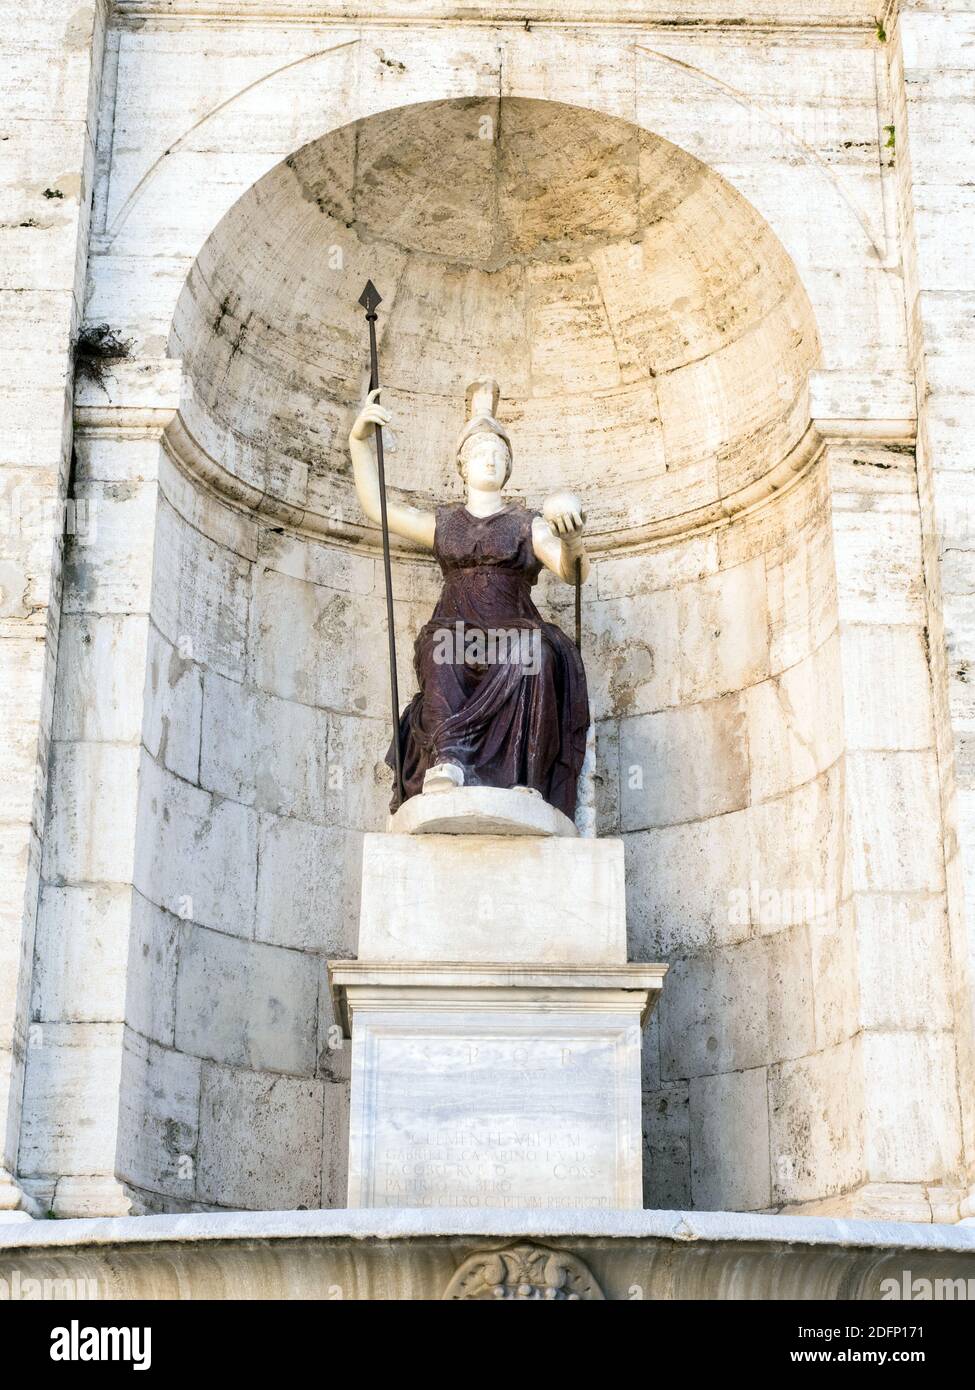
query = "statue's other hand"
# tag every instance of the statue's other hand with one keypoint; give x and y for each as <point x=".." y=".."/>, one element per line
<point x="563" y="512"/>
<point x="371" y="415"/>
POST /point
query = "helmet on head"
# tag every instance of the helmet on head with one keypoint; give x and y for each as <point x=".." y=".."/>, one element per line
<point x="482" y="401"/>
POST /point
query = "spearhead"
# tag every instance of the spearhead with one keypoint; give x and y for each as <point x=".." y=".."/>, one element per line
<point x="370" y="298"/>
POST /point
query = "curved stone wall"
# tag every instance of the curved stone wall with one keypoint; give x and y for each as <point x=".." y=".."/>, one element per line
<point x="719" y="673"/>
<point x="263" y="742"/>
<point x="654" y="342"/>
<point x="651" y="336"/>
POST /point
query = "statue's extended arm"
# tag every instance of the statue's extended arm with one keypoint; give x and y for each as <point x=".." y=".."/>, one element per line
<point x="410" y="522"/>
<point x="557" y="537"/>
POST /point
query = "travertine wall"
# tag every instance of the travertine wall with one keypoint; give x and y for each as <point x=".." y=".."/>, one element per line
<point x="52" y="62"/>
<point x="932" y="70"/>
<point x="680" y="251"/>
<point x="778" y="797"/>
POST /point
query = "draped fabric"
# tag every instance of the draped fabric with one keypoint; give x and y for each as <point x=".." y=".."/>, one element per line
<point x="502" y="692"/>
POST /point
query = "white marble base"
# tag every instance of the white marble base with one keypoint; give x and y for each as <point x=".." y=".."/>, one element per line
<point x="480" y="811"/>
<point x="492" y="898"/>
<point x="495" y="1086"/>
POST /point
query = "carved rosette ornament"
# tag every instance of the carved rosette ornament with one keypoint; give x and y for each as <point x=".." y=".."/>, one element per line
<point x="524" y="1273"/>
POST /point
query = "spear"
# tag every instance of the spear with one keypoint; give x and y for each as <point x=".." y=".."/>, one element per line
<point x="370" y="299"/>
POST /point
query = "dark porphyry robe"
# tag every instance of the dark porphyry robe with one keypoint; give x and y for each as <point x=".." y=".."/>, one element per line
<point x="518" y="719"/>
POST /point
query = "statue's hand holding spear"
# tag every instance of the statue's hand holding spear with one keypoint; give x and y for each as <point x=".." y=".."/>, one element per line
<point x="371" y="415"/>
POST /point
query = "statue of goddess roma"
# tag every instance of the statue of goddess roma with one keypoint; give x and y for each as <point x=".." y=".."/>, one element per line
<point x="502" y="699"/>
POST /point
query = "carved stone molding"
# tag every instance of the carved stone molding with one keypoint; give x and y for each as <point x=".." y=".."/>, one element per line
<point x="524" y="1274"/>
<point x="141" y="398"/>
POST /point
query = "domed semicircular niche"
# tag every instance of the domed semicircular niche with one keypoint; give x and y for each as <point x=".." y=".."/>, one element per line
<point x="652" y="341"/>
<point x="649" y="332"/>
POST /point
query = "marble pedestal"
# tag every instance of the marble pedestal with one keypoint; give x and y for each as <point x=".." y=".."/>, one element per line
<point x="495" y="1025"/>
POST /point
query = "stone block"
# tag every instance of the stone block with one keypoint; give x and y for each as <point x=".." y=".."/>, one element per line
<point x="798" y="846"/>
<point x="738" y="1007"/>
<point x="683" y="764"/>
<point x="487" y="1087"/>
<point x="260" y="1143"/>
<point x="68" y="1128"/>
<point x="904" y="962"/>
<point x="198" y="860"/>
<point x="308" y="882"/>
<point x="263" y="751"/>
<point x="335" y="1144"/>
<point x="816" y="1123"/>
<point x="84" y="842"/>
<point x="683" y="883"/>
<point x="100" y="693"/>
<point x="492" y="898"/>
<point x="729" y="1141"/>
<point x="150" y="1000"/>
<point x="911" y="1123"/>
<point x="886" y="699"/>
<point x="723" y="624"/>
<point x="635" y="644"/>
<point x="245" y="1003"/>
<point x="836" y="974"/>
<point x="667" y="1148"/>
<point x="158" y="1118"/>
<point x="795" y="724"/>
<point x="894" y="805"/>
<point x="201" y="594"/>
<point x="172" y="708"/>
<point x="112" y="572"/>
<point x="359" y="784"/>
<point x="82" y="953"/>
<point x="304" y="635"/>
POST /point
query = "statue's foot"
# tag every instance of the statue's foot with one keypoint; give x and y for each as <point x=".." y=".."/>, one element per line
<point x="443" y="777"/>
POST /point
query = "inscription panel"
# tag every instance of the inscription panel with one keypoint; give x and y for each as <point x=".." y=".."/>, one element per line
<point x="465" y="1110"/>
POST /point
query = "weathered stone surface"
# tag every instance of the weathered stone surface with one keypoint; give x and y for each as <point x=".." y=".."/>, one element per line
<point x="683" y="764"/>
<point x="159" y="1118"/>
<point x="816" y="1124"/>
<point x="262" y="751"/>
<point x="735" y="1007"/>
<point x="729" y="1124"/>
<point x="245" y="1003"/>
<point x="665" y="1254"/>
<point x="523" y="899"/>
<point x="82" y="953"/>
<point x="677" y="285"/>
<point x="486" y="1086"/>
<point x="71" y="1068"/>
<point x="198" y="861"/>
<point x="308" y="882"/>
<point x="260" y="1139"/>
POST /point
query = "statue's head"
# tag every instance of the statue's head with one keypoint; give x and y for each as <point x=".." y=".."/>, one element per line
<point x="483" y="445"/>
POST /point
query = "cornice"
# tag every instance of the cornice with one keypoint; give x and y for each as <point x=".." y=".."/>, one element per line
<point x="142" y="400"/>
<point x="502" y="14"/>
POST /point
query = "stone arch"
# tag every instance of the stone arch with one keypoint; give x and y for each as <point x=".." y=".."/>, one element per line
<point x="266" y="723"/>
<point x="281" y="108"/>
<point x="652" y="336"/>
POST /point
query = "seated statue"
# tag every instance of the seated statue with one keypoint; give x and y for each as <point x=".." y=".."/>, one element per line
<point x="502" y="698"/>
